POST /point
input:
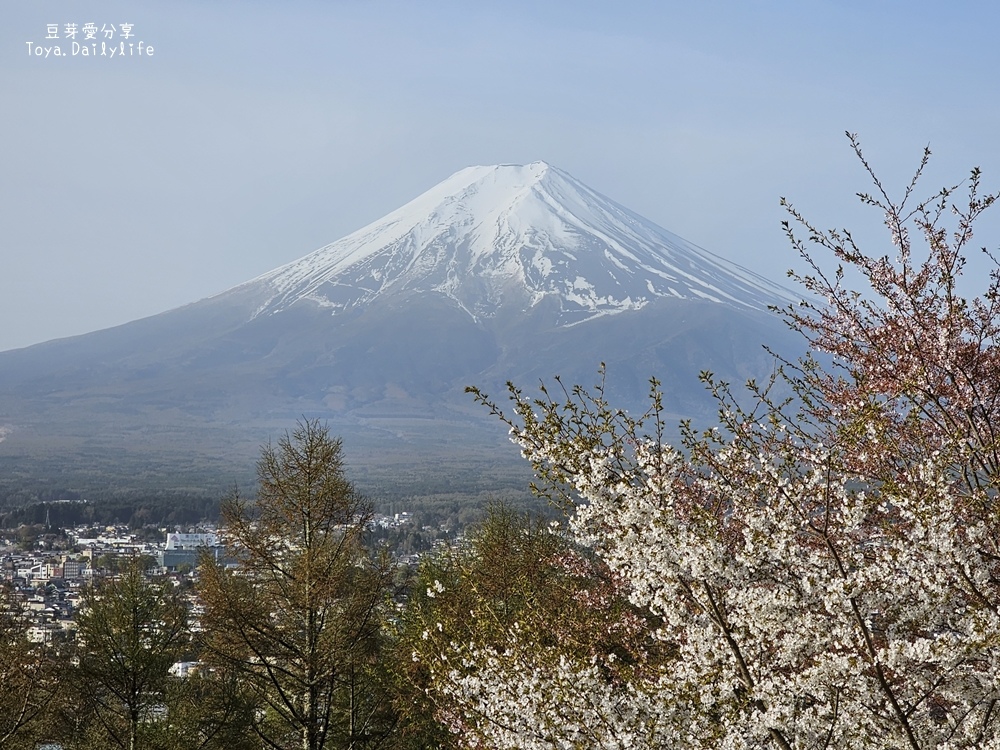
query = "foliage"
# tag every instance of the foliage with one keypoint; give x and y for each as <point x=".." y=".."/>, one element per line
<point x="821" y="571"/>
<point x="133" y="508"/>
<point x="208" y="710"/>
<point x="300" y="619"/>
<point x="514" y="581"/>
<point x="130" y="632"/>
<point x="28" y="677"/>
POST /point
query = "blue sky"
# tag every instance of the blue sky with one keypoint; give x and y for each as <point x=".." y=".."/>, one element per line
<point x="260" y="131"/>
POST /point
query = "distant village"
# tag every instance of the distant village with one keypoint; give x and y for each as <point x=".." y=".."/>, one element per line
<point x="49" y="579"/>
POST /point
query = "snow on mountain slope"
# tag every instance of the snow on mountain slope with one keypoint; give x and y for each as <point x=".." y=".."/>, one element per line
<point x="494" y="236"/>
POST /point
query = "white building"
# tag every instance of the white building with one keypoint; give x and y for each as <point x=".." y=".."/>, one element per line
<point x="191" y="541"/>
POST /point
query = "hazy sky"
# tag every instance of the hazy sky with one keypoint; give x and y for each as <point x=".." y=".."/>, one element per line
<point x="260" y="131"/>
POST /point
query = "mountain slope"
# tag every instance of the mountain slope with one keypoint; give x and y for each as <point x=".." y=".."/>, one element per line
<point x="498" y="273"/>
<point x="495" y="237"/>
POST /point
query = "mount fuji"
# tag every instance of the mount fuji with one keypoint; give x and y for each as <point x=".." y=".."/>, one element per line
<point x="491" y="238"/>
<point x="497" y="273"/>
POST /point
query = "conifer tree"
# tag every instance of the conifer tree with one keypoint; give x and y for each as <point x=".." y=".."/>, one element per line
<point x="28" y="677"/>
<point x="300" y="618"/>
<point x="131" y="630"/>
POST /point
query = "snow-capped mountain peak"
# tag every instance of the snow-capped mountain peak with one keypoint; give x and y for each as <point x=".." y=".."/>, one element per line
<point x="492" y="237"/>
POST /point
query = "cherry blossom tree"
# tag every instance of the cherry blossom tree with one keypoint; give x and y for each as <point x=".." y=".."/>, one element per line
<point x="513" y="590"/>
<point x="820" y="570"/>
